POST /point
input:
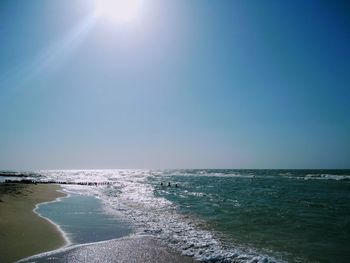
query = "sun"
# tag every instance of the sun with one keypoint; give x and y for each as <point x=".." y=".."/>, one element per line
<point x="118" y="10"/>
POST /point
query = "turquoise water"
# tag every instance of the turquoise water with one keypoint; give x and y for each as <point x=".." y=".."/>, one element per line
<point x="303" y="219"/>
<point x="213" y="215"/>
<point x="84" y="220"/>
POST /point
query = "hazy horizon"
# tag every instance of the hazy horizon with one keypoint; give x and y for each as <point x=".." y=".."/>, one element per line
<point x="174" y="84"/>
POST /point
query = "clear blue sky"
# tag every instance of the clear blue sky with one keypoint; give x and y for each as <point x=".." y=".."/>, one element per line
<point x="190" y="84"/>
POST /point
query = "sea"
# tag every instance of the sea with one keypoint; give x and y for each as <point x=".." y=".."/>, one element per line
<point x="214" y="215"/>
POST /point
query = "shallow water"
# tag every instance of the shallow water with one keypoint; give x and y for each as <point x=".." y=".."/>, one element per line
<point x="83" y="219"/>
<point x="228" y="215"/>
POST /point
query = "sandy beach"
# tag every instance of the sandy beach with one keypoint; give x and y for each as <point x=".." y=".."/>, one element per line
<point x="135" y="249"/>
<point x="22" y="232"/>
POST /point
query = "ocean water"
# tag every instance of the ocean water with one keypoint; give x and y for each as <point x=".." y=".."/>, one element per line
<point x="228" y="215"/>
<point x="83" y="220"/>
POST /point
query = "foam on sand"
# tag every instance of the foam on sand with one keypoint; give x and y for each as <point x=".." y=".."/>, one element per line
<point x="131" y="249"/>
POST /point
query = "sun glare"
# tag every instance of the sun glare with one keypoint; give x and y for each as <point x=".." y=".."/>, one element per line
<point x="118" y="10"/>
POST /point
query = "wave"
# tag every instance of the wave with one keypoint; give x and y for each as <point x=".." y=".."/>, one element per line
<point x="132" y="196"/>
<point x="336" y="177"/>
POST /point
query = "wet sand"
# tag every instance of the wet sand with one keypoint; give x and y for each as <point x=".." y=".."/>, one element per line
<point x="22" y="232"/>
<point x="134" y="249"/>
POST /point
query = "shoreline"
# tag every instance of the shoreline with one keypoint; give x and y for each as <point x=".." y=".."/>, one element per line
<point x="149" y="250"/>
<point x="23" y="231"/>
<point x="25" y="234"/>
<point x="67" y="241"/>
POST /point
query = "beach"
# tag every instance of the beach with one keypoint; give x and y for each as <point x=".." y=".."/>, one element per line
<point x="135" y="249"/>
<point x="211" y="216"/>
<point x="25" y="235"/>
<point x="23" y="232"/>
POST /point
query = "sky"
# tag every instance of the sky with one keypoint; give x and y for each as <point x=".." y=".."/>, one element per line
<point x="183" y="84"/>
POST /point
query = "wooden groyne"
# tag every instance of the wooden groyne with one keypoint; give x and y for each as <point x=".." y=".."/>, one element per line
<point x="28" y="181"/>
